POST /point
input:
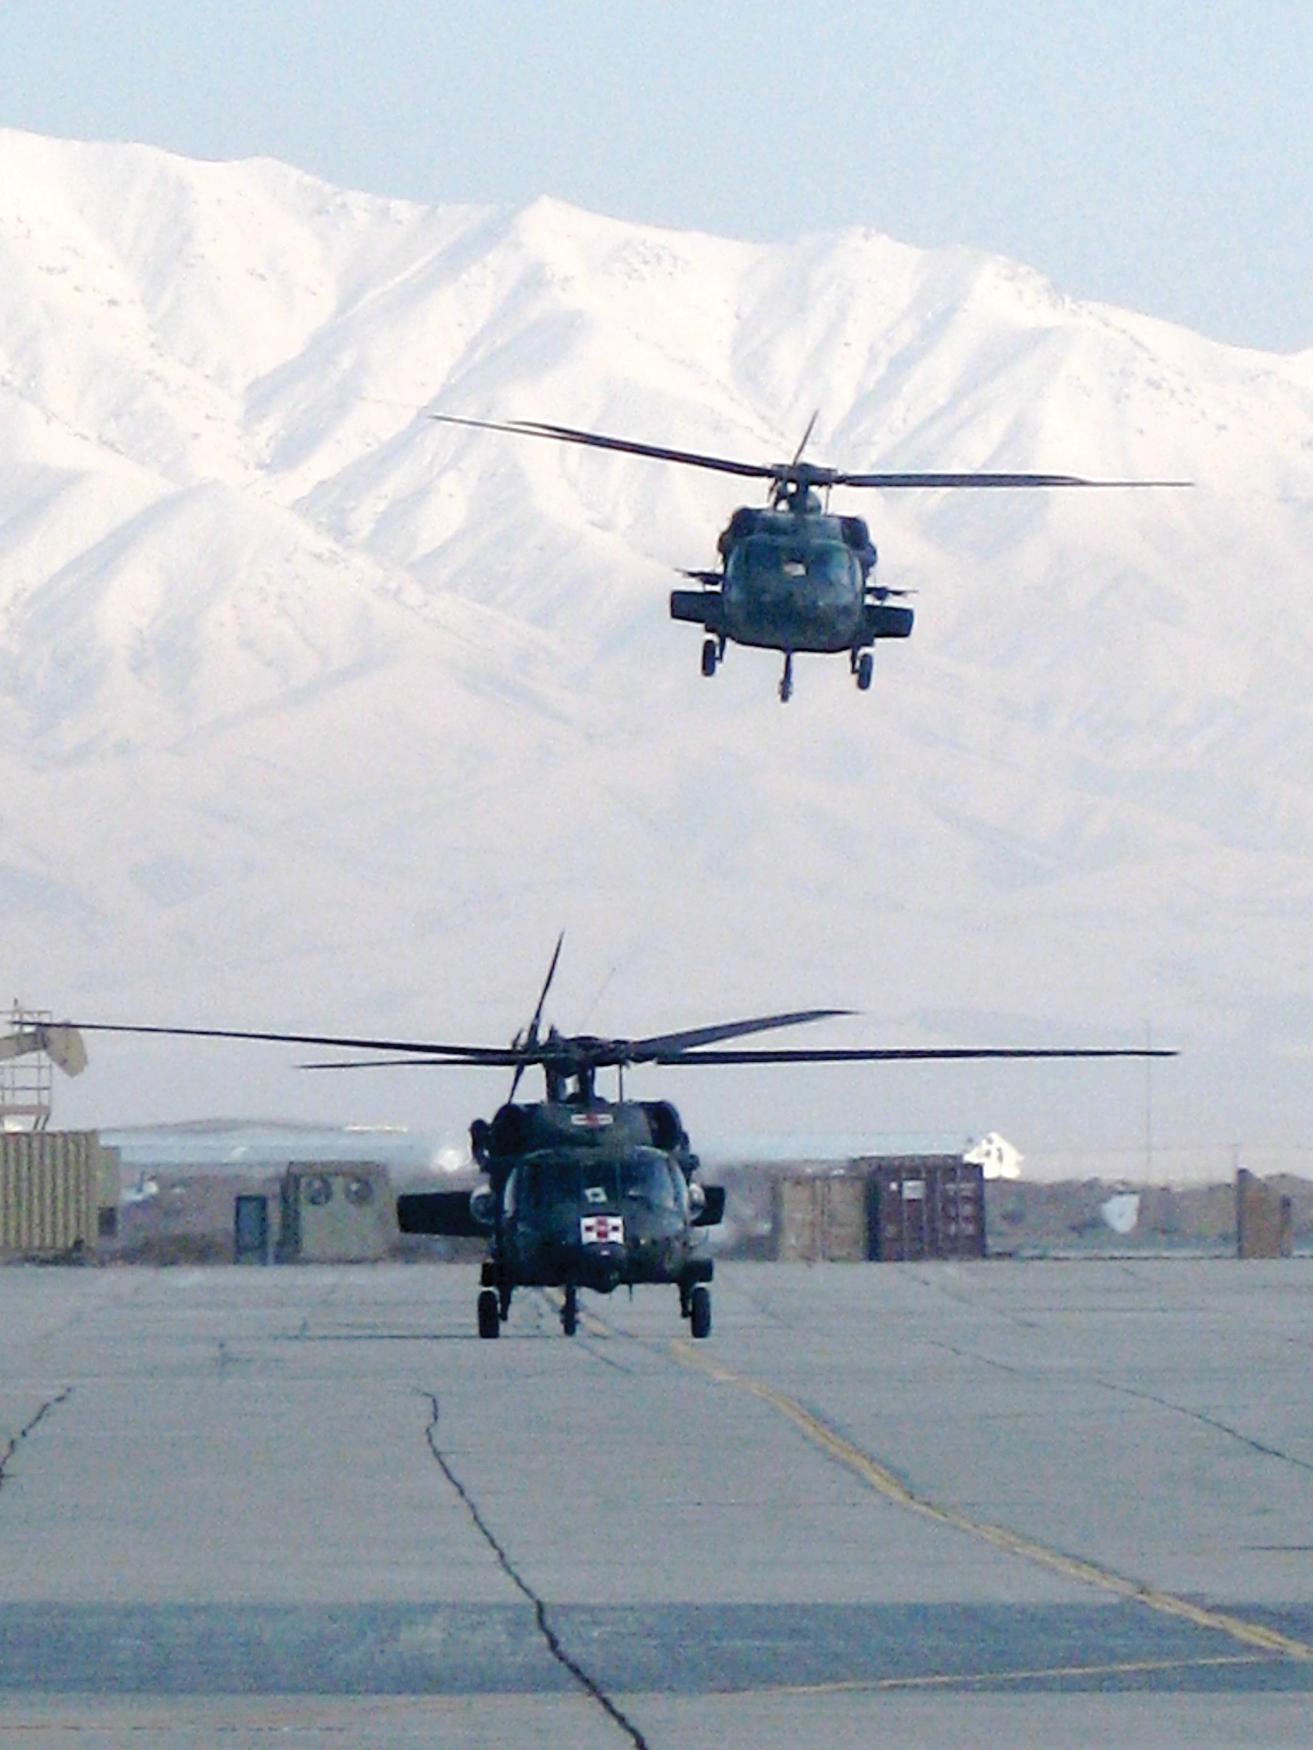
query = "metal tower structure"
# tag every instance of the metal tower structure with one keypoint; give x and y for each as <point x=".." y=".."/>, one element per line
<point x="26" y="1076"/>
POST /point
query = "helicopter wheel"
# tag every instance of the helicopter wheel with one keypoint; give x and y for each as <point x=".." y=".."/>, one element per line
<point x="710" y="657"/>
<point x="786" y="679"/>
<point x="489" y="1317"/>
<point x="570" y="1310"/>
<point x="863" y="669"/>
<point x="699" y="1312"/>
<point x="684" y="1308"/>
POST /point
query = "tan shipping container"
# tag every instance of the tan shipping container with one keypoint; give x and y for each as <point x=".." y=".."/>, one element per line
<point x="1264" y="1219"/>
<point x="821" y="1217"/>
<point x="50" y="1188"/>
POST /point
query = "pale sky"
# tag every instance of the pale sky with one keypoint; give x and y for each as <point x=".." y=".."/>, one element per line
<point x="1154" y="153"/>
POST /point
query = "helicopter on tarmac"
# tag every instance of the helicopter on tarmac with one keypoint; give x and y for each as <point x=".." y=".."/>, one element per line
<point x="583" y="1192"/>
<point x="792" y="576"/>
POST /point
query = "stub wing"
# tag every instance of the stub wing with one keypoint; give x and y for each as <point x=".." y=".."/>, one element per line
<point x="439" y="1212"/>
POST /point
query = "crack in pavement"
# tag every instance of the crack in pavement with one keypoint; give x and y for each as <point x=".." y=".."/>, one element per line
<point x="1201" y="1416"/>
<point x="7" y="1456"/>
<point x="975" y="1355"/>
<point x="545" y="1629"/>
<point x="1205" y="1420"/>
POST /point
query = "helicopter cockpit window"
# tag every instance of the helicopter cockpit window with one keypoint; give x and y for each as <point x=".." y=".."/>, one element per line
<point x="761" y="560"/>
<point x="829" y="564"/>
<point x="548" y="1178"/>
<point x="757" y="560"/>
<point x="645" y="1178"/>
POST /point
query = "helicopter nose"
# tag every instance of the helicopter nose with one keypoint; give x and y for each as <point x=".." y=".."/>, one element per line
<point x="602" y="1270"/>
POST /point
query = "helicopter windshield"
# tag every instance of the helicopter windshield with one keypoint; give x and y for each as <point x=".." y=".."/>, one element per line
<point x="646" y="1177"/>
<point x="764" y="560"/>
<point x="550" y="1177"/>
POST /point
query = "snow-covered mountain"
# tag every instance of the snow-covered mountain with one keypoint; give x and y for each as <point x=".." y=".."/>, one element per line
<point x="315" y="713"/>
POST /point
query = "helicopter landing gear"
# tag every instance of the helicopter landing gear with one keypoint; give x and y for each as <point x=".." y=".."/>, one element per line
<point x="684" y="1294"/>
<point x="570" y="1310"/>
<point x="489" y="1316"/>
<point x="490" y="1277"/>
<point x="699" y="1312"/>
<point x="710" y="657"/>
<point x="862" y="669"/>
<point x="786" y="679"/>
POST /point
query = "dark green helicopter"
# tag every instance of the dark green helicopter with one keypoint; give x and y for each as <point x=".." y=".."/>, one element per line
<point x="583" y="1192"/>
<point x="792" y="576"/>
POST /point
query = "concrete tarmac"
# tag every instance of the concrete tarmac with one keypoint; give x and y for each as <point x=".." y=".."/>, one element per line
<point x="940" y="1504"/>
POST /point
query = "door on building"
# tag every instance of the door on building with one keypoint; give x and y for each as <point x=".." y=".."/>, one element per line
<point x="251" y="1230"/>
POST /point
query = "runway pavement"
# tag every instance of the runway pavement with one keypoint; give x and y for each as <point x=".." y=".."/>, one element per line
<point x="1001" y="1502"/>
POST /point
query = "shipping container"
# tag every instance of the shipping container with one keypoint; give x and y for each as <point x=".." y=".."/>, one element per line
<point x="885" y="1208"/>
<point x="1264" y="1219"/>
<point x="52" y="1184"/>
<point x="822" y="1217"/>
<point x="926" y="1206"/>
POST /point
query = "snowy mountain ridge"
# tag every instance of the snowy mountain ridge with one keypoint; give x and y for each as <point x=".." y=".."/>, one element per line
<point x="313" y="712"/>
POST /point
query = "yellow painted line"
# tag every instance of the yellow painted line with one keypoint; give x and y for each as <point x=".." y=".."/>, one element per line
<point x="959" y="1679"/>
<point x="884" y="1482"/>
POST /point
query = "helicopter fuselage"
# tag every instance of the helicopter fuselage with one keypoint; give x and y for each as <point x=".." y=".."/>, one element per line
<point x="598" y="1218"/>
<point x="793" y="579"/>
<point x="590" y="1191"/>
<point x="795" y="589"/>
<point x="581" y="1192"/>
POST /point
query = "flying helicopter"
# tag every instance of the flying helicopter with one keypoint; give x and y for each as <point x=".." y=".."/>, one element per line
<point x="792" y="576"/>
<point x="581" y="1191"/>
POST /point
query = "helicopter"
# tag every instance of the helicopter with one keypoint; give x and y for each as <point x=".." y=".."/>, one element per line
<point x="584" y="1192"/>
<point x="792" y="576"/>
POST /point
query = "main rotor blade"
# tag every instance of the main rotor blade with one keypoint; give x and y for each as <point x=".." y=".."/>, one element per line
<point x="811" y="426"/>
<point x="674" y="1049"/>
<point x="976" y="480"/>
<point x="658" y="1046"/>
<point x="675" y="1059"/>
<point x="904" y="1055"/>
<point x="497" y="1059"/>
<point x="547" y="985"/>
<point x="531" y="1037"/>
<point x="606" y="1053"/>
<point x="595" y="440"/>
<point x="454" y="1053"/>
<point x="818" y="476"/>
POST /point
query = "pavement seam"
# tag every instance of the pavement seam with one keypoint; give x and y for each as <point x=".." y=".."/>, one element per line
<point x="11" y="1449"/>
<point x="552" y="1641"/>
<point x="884" y="1482"/>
